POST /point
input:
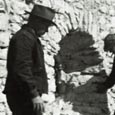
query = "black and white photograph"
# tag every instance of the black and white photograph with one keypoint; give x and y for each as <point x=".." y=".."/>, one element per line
<point x="57" y="57"/>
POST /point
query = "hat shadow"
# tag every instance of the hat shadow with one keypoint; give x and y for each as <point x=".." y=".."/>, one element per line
<point x="77" y="52"/>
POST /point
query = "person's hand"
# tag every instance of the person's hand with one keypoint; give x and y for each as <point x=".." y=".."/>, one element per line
<point x="38" y="104"/>
<point x="101" y="88"/>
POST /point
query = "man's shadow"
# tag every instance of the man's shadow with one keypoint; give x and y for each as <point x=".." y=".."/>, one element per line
<point x="77" y="55"/>
<point x="85" y="98"/>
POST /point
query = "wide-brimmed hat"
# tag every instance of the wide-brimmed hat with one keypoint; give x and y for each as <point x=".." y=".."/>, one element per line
<point x="43" y="12"/>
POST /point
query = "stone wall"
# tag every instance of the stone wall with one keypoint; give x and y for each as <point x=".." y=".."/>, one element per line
<point x="78" y="41"/>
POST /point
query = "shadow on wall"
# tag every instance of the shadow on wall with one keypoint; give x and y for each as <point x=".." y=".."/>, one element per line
<point x="78" y="88"/>
<point x="77" y="52"/>
<point x="85" y="99"/>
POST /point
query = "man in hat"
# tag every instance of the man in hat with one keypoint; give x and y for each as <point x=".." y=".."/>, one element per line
<point x="27" y="79"/>
<point x="109" y="45"/>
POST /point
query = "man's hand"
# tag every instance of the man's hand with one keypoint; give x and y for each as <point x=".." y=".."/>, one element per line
<point x="38" y="104"/>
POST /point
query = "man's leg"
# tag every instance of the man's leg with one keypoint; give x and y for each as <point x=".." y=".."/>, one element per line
<point x="21" y="104"/>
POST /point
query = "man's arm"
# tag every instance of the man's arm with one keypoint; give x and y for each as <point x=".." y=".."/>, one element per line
<point x="23" y="69"/>
<point x="110" y="81"/>
<point x="24" y="62"/>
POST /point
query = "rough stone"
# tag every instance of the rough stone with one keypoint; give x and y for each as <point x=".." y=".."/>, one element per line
<point x="2" y="5"/>
<point x="3" y="54"/>
<point x="49" y="59"/>
<point x="4" y="21"/>
<point x="18" y="7"/>
<point x="4" y="39"/>
<point x="83" y="58"/>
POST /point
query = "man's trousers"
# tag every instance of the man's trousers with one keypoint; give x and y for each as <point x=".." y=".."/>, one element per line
<point x="20" y="104"/>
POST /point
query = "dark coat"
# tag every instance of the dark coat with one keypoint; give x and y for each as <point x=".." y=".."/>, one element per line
<point x="110" y="81"/>
<point x="25" y="64"/>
